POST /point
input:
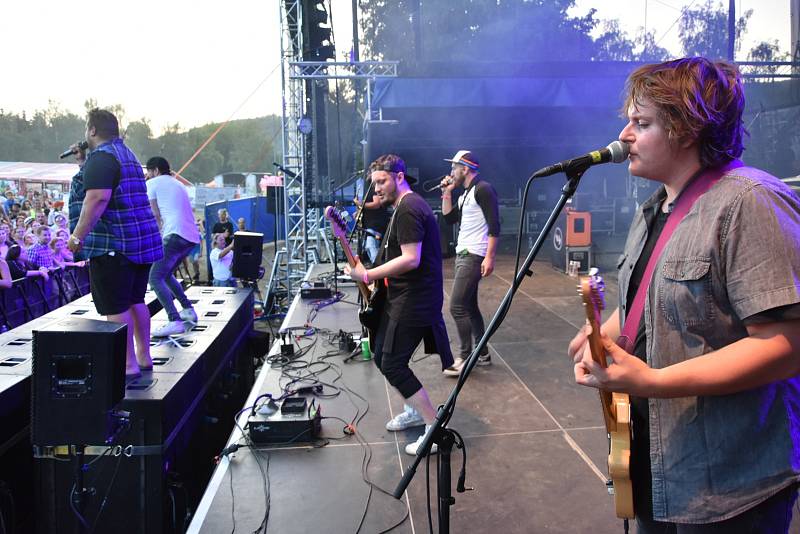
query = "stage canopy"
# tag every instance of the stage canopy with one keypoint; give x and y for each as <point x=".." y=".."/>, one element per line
<point x="55" y="173"/>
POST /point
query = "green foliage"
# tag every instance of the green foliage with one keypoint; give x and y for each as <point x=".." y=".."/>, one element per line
<point x="497" y="30"/>
<point x="500" y="30"/>
<point x="703" y="30"/>
<point x="243" y="145"/>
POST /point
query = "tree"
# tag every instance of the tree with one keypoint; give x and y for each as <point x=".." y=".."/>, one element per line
<point x="497" y="30"/>
<point x="703" y="30"/>
<point x="650" y="51"/>
<point x="470" y="30"/>
<point x="241" y="146"/>
<point x="767" y="51"/>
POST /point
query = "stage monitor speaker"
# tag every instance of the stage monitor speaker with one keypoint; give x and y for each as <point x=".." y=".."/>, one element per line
<point x="247" y="254"/>
<point x="78" y="379"/>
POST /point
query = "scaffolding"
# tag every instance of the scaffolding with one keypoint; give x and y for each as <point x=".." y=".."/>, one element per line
<point x="302" y="223"/>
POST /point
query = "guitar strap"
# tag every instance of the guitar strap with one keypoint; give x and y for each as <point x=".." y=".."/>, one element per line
<point x="683" y="204"/>
<point x="385" y="242"/>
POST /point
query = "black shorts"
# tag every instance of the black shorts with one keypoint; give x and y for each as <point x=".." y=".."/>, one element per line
<point x="117" y="283"/>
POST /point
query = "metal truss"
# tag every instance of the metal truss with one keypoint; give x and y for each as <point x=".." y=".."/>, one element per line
<point x="302" y="223"/>
<point x="331" y="70"/>
<point x="293" y="93"/>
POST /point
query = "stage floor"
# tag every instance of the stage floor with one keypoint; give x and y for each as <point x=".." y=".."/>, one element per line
<point x="535" y="441"/>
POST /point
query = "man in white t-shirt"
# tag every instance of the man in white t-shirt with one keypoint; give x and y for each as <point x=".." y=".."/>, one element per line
<point x="173" y="211"/>
<point x="221" y="258"/>
<point x="476" y="213"/>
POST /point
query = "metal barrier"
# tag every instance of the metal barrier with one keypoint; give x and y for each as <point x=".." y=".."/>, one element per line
<point x="29" y="298"/>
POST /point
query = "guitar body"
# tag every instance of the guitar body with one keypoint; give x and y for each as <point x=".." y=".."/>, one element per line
<point x="373" y="301"/>
<point x="619" y="455"/>
<point x="372" y="311"/>
<point x="616" y="406"/>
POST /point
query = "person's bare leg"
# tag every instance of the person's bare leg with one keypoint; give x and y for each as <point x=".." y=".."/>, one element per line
<point x="422" y="404"/>
<point x="141" y="331"/>
<point x="131" y="367"/>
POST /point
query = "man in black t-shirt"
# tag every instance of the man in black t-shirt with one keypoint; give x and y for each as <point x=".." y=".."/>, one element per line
<point x="412" y="272"/>
<point x="374" y="220"/>
<point x="223" y="226"/>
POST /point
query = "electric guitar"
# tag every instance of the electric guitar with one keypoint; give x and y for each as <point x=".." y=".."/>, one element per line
<point x="616" y="406"/>
<point x="373" y="300"/>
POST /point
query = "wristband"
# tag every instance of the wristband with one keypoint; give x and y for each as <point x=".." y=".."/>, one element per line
<point x="365" y="278"/>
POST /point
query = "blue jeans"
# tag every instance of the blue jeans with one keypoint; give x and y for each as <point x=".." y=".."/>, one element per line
<point x="230" y="282"/>
<point x="162" y="280"/>
<point x="464" y="303"/>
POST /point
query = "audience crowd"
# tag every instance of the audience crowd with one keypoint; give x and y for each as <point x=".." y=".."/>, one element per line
<point x="33" y="236"/>
<point x="34" y="233"/>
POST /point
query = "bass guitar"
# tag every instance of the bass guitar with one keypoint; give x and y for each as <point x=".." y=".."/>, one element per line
<point x="616" y="406"/>
<point x="373" y="300"/>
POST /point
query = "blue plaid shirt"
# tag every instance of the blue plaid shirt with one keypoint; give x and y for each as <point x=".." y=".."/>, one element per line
<point x="41" y="255"/>
<point x="127" y="225"/>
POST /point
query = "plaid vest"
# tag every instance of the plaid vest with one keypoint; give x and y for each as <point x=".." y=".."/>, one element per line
<point x="127" y="226"/>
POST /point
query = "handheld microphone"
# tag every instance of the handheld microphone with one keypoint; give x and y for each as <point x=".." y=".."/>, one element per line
<point x="616" y="152"/>
<point x="83" y="145"/>
<point x="438" y="182"/>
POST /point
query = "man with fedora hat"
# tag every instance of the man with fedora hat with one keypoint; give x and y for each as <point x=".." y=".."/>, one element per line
<point x="479" y="228"/>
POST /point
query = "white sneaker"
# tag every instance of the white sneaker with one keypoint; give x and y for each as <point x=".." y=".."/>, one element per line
<point x="455" y="369"/>
<point x="406" y="419"/>
<point x="188" y="315"/>
<point x="170" y="329"/>
<point x="412" y="448"/>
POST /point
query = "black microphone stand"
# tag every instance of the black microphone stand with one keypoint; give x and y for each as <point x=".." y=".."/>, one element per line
<point x="439" y="433"/>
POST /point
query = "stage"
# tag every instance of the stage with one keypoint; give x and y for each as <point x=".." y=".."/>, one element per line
<point x="535" y="441"/>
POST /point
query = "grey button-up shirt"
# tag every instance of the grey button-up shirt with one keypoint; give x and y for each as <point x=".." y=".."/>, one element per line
<point x="735" y="254"/>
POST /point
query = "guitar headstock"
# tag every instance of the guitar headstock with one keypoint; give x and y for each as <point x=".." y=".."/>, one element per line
<point x="592" y="291"/>
<point x="338" y="225"/>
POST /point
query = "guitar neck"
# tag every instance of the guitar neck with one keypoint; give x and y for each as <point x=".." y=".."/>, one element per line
<point x="351" y="260"/>
<point x="598" y="355"/>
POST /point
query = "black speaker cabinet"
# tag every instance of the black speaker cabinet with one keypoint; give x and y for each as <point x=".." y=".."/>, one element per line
<point x="247" y="254"/>
<point x="78" y="377"/>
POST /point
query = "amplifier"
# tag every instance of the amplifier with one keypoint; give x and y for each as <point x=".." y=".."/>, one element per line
<point x="297" y="420"/>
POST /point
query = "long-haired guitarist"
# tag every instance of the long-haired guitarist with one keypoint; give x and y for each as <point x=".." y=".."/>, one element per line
<point x="713" y="340"/>
<point x="411" y="266"/>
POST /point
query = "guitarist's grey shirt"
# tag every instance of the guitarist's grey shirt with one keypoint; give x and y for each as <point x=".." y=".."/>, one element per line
<point x="736" y="255"/>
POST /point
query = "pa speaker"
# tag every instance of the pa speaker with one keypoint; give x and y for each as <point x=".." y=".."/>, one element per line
<point x="247" y="254"/>
<point x="78" y="379"/>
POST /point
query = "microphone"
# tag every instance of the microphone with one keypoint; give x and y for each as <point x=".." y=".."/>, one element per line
<point x="83" y="145"/>
<point x="287" y="172"/>
<point x="616" y="152"/>
<point x="438" y="182"/>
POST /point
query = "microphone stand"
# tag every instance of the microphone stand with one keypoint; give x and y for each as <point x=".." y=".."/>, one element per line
<point x="439" y="433"/>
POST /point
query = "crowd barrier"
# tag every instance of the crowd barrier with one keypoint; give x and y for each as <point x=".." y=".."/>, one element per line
<point x="29" y="298"/>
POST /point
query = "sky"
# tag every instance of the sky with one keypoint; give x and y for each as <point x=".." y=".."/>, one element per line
<point x="195" y="62"/>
